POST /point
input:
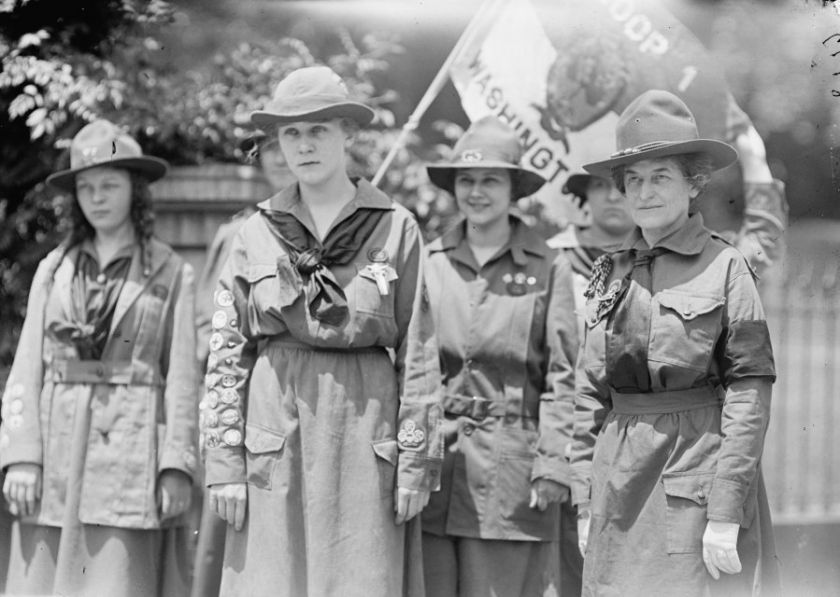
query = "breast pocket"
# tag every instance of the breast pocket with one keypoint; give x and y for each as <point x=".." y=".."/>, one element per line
<point x="368" y="293"/>
<point x="684" y="328"/>
<point x="272" y="285"/>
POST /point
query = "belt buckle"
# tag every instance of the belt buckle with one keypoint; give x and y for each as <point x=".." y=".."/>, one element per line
<point x="479" y="408"/>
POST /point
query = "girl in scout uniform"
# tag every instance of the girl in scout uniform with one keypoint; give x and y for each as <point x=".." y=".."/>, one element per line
<point x="673" y="382"/>
<point x="319" y="444"/>
<point x="99" y="419"/>
<point x="504" y="310"/>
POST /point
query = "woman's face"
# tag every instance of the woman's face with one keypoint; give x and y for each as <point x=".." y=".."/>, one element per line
<point x="609" y="208"/>
<point x="314" y="151"/>
<point x="659" y="194"/>
<point x="104" y="195"/>
<point x="483" y="194"/>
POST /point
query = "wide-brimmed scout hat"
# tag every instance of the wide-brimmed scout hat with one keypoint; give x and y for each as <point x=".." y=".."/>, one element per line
<point x="102" y="143"/>
<point x="488" y="143"/>
<point x="577" y="185"/>
<point x="310" y="93"/>
<point x="658" y="124"/>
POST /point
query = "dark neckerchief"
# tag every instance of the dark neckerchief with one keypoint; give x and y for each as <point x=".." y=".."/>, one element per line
<point x="93" y="299"/>
<point x="312" y="259"/>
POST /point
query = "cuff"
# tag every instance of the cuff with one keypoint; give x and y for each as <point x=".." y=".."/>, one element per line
<point x="18" y="451"/>
<point x="553" y="469"/>
<point x="418" y="472"/>
<point x="224" y="465"/>
<point x="180" y="458"/>
<point x="726" y="501"/>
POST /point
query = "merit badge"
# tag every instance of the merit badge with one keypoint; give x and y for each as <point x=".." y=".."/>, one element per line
<point x="228" y="380"/>
<point x="211" y="438"/>
<point x="212" y="399"/>
<point x="224" y="298"/>
<point x="531" y="280"/>
<point x="230" y="396"/>
<point x="229" y="417"/>
<point x="381" y="273"/>
<point x="216" y="341"/>
<point x="232" y="437"/>
<point x="219" y="320"/>
<point x="211" y="419"/>
<point x="378" y="255"/>
<point x="16" y="406"/>
<point x="411" y="436"/>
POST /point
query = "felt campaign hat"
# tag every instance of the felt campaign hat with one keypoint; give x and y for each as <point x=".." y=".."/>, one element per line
<point x="307" y="94"/>
<point x="102" y="143"/>
<point x="488" y="143"/>
<point x="658" y="124"/>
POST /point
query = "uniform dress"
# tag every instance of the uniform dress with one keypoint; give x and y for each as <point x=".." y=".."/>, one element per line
<point x="322" y="395"/>
<point x="672" y="404"/>
<point x="102" y="395"/>
<point x="507" y="346"/>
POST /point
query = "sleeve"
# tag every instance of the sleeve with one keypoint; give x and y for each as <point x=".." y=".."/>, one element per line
<point x="557" y="401"/>
<point x="419" y="435"/>
<point x="592" y="405"/>
<point x="182" y="379"/>
<point x="20" y="432"/>
<point x="746" y="363"/>
<point x="232" y="351"/>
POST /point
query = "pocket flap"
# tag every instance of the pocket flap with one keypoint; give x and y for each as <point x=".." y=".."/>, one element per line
<point x="688" y="306"/>
<point x="694" y="487"/>
<point x="258" y="271"/>
<point x="259" y="440"/>
<point x="386" y="449"/>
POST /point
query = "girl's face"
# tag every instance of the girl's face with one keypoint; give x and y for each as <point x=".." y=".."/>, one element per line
<point x="609" y="208"/>
<point x="483" y="195"/>
<point x="314" y="151"/>
<point x="104" y="195"/>
<point x="659" y="195"/>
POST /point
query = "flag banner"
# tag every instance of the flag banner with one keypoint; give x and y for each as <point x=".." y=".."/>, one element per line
<point x="560" y="73"/>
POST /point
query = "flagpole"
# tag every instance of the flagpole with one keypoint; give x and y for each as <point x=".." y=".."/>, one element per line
<point x="436" y="86"/>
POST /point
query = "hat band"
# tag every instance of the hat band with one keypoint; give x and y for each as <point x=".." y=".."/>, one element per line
<point x="645" y="147"/>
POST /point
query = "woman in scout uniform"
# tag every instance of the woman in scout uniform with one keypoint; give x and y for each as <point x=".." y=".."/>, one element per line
<point x="99" y="411"/>
<point x="319" y="446"/>
<point x="504" y="310"/>
<point x="673" y="382"/>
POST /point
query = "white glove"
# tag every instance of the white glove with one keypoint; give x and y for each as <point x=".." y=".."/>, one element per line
<point x="584" y="517"/>
<point x="720" y="552"/>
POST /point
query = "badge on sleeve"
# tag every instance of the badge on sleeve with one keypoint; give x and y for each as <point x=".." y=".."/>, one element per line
<point x="381" y="273"/>
<point x="224" y="298"/>
<point x="410" y="436"/>
<point x="220" y="318"/>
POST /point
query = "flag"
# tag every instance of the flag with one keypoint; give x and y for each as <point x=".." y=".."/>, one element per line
<point x="560" y="73"/>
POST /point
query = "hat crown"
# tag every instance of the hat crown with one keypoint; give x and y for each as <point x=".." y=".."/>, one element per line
<point x="656" y="116"/>
<point x="101" y="142"/>
<point x="311" y="81"/>
<point x="488" y="140"/>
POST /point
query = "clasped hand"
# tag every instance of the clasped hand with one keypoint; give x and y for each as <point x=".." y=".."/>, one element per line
<point x="22" y="488"/>
<point x="545" y="492"/>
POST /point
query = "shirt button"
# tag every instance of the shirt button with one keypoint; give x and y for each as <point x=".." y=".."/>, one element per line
<point x="468" y="429"/>
<point x="701" y="495"/>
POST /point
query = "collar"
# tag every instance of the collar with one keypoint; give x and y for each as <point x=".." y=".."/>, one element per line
<point x="367" y="196"/>
<point x="522" y="241"/>
<point x="690" y="239"/>
<point x="87" y="247"/>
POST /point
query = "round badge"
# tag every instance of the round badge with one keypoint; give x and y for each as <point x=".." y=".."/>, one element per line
<point x="229" y="417"/>
<point x="216" y="341"/>
<point x="211" y="419"/>
<point x="378" y="255"/>
<point x="211" y="438"/>
<point x="228" y="381"/>
<point x="16" y="407"/>
<point x="507" y="278"/>
<point x="15" y="421"/>
<point x="224" y="298"/>
<point x="230" y="396"/>
<point x="219" y="320"/>
<point x="212" y="399"/>
<point x="531" y="280"/>
<point x="520" y="278"/>
<point x="232" y="437"/>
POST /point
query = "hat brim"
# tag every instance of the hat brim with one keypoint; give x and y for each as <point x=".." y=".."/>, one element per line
<point x="363" y="115"/>
<point x="722" y="155"/>
<point x="151" y="167"/>
<point x="443" y="176"/>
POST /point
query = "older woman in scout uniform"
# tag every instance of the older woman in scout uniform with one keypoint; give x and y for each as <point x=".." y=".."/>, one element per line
<point x="673" y="382"/>
<point x="504" y="310"/>
<point x="319" y="446"/>
<point x="99" y="411"/>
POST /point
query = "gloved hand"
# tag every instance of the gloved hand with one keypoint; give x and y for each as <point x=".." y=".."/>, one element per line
<point x="720" y="552"/>
<point x="584" y="518"/>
